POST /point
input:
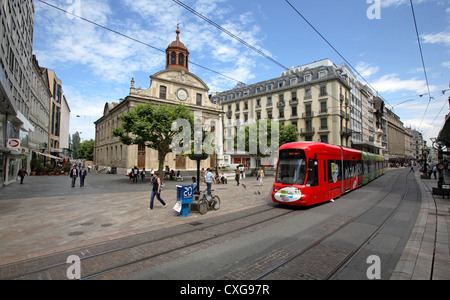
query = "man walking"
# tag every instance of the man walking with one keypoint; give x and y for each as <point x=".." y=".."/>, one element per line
<point x="22" y="173"/>
<point x="83" y="175"/>
<point x="74" y="174"/>
<point x="208" y="179"/>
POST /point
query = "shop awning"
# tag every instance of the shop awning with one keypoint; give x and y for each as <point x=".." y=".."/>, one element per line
<point x="49" y="155"/>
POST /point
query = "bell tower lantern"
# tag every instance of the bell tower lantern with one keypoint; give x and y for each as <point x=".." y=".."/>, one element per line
<point x="177" y="55"/>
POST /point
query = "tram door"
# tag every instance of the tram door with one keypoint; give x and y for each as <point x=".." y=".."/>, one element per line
<point x="318" y="191"/>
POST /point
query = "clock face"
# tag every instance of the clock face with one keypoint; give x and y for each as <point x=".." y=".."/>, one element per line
<point x="182" y="94"/>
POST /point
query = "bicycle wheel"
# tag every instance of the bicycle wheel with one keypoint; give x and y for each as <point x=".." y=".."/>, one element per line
<point x="216" y="204"/>
<point x="202" y="205"/>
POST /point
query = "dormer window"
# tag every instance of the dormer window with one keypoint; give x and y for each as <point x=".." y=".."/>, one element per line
<point x="323" y="74"/>
<point x="307" y="77"/>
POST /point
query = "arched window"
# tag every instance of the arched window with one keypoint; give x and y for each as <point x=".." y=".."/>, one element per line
<point x="173" y="58"/>
<point x="181" y="59"/>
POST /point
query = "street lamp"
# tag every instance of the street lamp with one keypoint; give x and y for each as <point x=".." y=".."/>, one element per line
<point x="425" y="153"/>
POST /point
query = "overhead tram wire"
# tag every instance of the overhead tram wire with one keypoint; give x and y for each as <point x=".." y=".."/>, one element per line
<point x="131" y="38"/>
<point x="349" y="64"/>
<point x="423" y="62"/>
<point x="229" y="33"/>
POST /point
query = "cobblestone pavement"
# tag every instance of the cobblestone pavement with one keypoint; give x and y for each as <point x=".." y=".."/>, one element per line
<point x="46" y="215"/>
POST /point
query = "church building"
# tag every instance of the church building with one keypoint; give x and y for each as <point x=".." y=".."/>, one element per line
<point x="172" y="86"/>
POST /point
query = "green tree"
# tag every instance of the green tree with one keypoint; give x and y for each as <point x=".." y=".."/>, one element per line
<point x="75" y="145"/>
<point x="250" y="136"/>
<point x="86" y="150"/>
<point x="151" y="125"/>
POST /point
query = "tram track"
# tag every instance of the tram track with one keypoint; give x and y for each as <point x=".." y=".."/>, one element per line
<point x="288" y="268"/>
<point x="103" y="264"/>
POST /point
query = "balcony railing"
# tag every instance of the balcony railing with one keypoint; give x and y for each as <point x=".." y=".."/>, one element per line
<point x="307" y="131"/>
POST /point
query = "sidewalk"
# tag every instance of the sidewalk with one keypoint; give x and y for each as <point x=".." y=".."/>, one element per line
<point x="430" y="236"/>
<point x="46" y="215"/>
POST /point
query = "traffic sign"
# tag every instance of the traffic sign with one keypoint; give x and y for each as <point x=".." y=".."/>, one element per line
<point x="13" y="143"/>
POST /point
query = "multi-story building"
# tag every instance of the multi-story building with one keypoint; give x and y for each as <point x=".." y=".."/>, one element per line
<point x="40" y="98"/>
<point x="409" y="146"/>
<point x="59" y="116"/>
<point x="16" y="46"/>
<point x="380" y="122"/>
<point x="313" y="97"/>
<point x="417" y="144"/>
<point x="396" y="137"/>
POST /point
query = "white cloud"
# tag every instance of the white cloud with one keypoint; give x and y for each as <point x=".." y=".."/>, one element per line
<point x="437" y="38"/>
<point x="366" y="69"/>
<point x="391" y="83"/>
<point x="396" y="3"/>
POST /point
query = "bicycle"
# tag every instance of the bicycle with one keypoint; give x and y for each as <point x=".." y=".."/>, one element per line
<point x="204" y="203"/>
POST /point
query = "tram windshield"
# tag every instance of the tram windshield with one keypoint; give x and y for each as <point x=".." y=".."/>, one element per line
<point x="291" y="167"/>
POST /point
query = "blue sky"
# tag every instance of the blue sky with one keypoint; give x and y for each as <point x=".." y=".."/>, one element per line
<point x="96" y="65"/>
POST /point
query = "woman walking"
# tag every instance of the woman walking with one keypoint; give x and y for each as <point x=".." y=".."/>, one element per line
<point x="260" y="176"/>
<point x="156" y="191"/>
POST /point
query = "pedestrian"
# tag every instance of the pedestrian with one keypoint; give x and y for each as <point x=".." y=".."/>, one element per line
<point x="434" y="171"/>
<point x="238" y="174"/>
<point x="412" y="168"/>
<point x="74" y="174"/>
<point x="223" y="178"/>
<point x="202" y="175"/>
<point x="194" y="184"/>
<point x="21" y="174"/>
<point x="156" y="191"/>
<point x="260" y="176"/>
<point x="83" y="175"/>
<point x="143" y="174"/>
<point x="209" y="177"/>
<point x="131" y="175"/>
<point x="136" y="174"/>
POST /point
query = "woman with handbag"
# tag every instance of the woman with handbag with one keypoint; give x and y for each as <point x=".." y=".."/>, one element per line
<point x="156" y="191"/>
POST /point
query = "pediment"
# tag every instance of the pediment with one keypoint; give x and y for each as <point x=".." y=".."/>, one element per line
<point x="180" y="77"/>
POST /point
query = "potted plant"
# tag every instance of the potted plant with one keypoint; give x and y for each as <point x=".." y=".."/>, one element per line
<point x="40" y="168"/>
<point x="33" y="164"/>
<point x="49" y="168"/>
<point x="67" y="167"/>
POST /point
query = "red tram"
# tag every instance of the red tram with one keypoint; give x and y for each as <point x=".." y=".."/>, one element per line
<point x="313" y="172"/>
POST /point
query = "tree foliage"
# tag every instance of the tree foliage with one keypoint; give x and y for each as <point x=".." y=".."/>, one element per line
<point x="86" y="150"/>
<point x="257" y="136"/>
<point x="151" y="126"/>
<point x="75" y="144"/>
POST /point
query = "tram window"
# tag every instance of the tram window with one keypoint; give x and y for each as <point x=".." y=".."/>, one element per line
<point x="313" y="173"/>
<point x="334" y="171"/>
<point x="324" y="171"/>
<point x="291" y="171"/>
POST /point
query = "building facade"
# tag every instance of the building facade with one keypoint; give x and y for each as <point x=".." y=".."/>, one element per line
<point x="313" y="97"/>
<point x="59" y="121"/>
<point x="16" y="46"/>
<point x="40" y="111"/>
<point x="174" y="85"/>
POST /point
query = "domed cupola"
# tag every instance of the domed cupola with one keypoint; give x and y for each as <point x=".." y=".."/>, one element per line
<point x="177" y="55"/>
